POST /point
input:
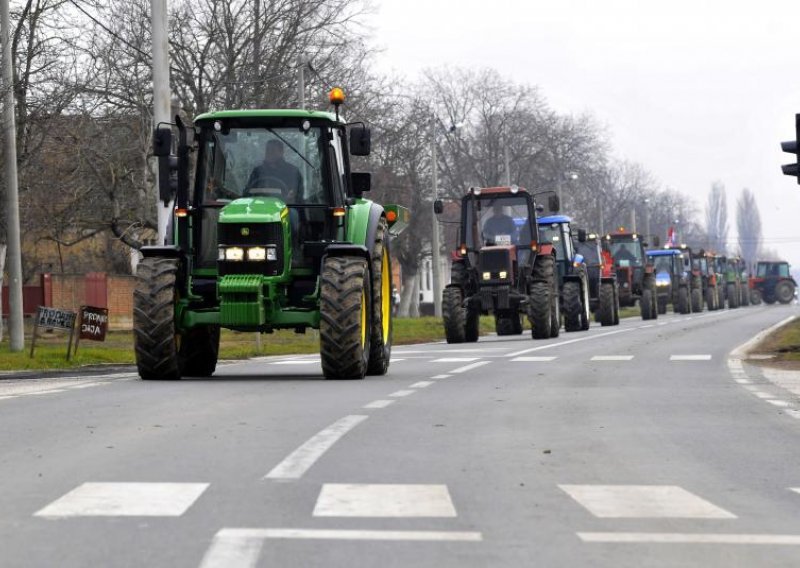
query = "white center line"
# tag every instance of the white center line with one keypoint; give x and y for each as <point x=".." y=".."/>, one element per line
<point x="470" y="367"/>
<point x="690" y="358"/>
<point x="382" y="403"/>
<point x="779" y="403"/>
<point x="421" y="385"/>
<point x="300" y="460"/>
<point x="569" y="342"/>
<point x="441" y="376"/>
<point x="401" y="393"/>
<point x="455" y="360"/>
<point x="532" y="359"/>
<point x="612" y="358"/>
<point x="691" y="538"/>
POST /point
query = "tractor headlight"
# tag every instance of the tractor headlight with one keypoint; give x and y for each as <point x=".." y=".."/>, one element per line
<point x="257" y="254"/>
<point x="235" y="254"/>
<point x="487" y="275"/>
<point x="503" y="275"/>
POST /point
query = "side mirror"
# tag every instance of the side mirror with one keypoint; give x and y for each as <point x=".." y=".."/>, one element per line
<point x="162" y="142"/>
<point x="360" y="183"/>
<point x="539" y="208"/>
<point x="438" y="207"/>
<point x="553" y="203"/>
<point x="360" y="140"/>
<point x="581" y="235"/>
<point x="656" y="241"/>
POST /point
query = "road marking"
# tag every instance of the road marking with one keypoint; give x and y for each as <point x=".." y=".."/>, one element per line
<point x="441" y="376"/>
<point x="470" y="367"/>
<point x="242" y="547"/>
<point x="396" y="360"/>
<point x="300" y="460"/>
<point x="401" y="393"/>
<point x="421" y="385"/>
<point x="384" y="501"/>
<point x="379" y="404"/>
<point x="690" y="358"/>
<point x="532" y="359"/>
<point x="762" y="395"/>
<point x="125" y="500"/>
<point x="455" y="360"/>
<point x="741" y="352"/>
<point x="569" y="342"/>
<point x="743" y="381"/>
<point x="647" y="326"/>
<point x="690" y="538"/>
<point x="612" y="358"/>
<point x="643" y="501"/>
<point x="779" y="403"/>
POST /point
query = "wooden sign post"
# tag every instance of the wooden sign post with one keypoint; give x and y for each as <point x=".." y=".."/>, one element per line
<point x="53" y="318"/>
<point x="93" y="325"/>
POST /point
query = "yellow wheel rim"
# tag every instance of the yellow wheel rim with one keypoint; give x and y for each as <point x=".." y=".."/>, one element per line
<point x="386" y="295"/>
<point x="363" y="318"/>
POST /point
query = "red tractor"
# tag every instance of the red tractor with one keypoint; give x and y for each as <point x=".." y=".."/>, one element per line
<point x="773" y="282"/>
<point x="635" y="273"/>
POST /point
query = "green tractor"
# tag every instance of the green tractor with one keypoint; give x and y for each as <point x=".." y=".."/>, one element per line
<point x="272" y="233"/>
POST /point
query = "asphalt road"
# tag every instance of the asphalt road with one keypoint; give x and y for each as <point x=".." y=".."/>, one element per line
<point x="646" y="444"/>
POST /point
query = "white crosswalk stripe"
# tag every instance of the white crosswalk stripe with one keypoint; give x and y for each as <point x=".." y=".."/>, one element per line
<point x="384" y="500"/>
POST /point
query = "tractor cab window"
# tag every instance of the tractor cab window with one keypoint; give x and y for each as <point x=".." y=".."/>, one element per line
<point x="663" y="263"/>
<point x="560" y="235"/>
<point x="590" y="252"/>
<point x="498" y="221"/>
<point x="264" y="162"/>
<point x="626" y="253"/>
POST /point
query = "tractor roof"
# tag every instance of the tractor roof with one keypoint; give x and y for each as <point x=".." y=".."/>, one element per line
<point x="503" y="189"/>
<point x="550" y="219"/>
<point x="662" y="252"/>
<point x="267" y="113"/>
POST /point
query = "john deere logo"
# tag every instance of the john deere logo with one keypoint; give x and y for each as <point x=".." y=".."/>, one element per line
<point x="245" y="231"/>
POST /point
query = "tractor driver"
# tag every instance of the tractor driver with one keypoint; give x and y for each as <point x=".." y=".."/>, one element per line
<point x="499" y="224"/>
<point x="275" y="171"/>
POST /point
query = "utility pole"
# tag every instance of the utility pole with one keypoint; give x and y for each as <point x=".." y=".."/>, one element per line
<point x="16" y="326"/>
<point x="437" y="288"/>
<point x="633" y="220"/>
<point x="161" y="97"/>
<point x="301" y="81"/>
<point x="647" y="220"/>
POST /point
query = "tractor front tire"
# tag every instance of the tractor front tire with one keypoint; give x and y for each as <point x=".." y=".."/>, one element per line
<point x="605" y="311"/>
<point x="711" y="299"/>
<point x="453" y="315"/>
<point x="784" y="292"/>
<point x="573" y="307"/>
<point x="199" y="351"/>
<point x="755" y="297"/>
<point x="697" y="300"/>
<point x="684" y="307"/>
<point x="156" y="341"/>
<point x="646" y="303"/>
<point x="380" y="350"/>
<point x="472" y="325"/>
<point x="345" y="317"/>
<point x="733" y="296"/>
<point x="508" y="324"/>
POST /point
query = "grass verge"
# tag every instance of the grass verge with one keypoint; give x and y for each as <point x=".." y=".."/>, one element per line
<point x="783" y="344"/>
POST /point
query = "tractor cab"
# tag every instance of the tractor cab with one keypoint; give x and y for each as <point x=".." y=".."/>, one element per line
<point x="556" y="229"/>
<point x="671" y="273"/>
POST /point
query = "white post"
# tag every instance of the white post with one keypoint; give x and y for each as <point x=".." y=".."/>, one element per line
<point x="507" y="164"/>
<point x="161" y="95"/>
<point x="301" y="82"/>
<point x="435" y="265"/>
<point x="16" y="325"/>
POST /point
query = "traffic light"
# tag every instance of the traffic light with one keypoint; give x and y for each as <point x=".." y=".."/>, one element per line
<point x="791" y="148"/>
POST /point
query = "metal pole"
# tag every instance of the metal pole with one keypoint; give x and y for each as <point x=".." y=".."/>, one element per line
<point x="633" y="220"/>
<point x="301" y="81"/>
<point x="508" y="165"/>
<point x="16" y="326"/>
<point x="437" y="288"/>
<point x="161" y="95"/>
<point x="647" y="222"/>
<point x="600" y="214"/>
<point x="558" y="192"/>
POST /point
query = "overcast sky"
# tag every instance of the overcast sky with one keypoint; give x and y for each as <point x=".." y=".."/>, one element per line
<point x="696" y="90"/>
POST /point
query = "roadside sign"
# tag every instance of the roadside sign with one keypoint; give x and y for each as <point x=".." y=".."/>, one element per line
<point x="53" y="318"/>
<point x="93" y="325"/>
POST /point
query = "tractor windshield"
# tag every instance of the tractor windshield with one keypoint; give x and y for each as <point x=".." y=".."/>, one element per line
<point x="268" y="162"/>
<point x="498" y="220"/>
<point x="665" y="263"/>
<point x="627" y="252"/>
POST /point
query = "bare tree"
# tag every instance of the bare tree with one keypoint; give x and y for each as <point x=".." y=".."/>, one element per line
<point x="717" y="218"/>
<point x="748" y="225"/>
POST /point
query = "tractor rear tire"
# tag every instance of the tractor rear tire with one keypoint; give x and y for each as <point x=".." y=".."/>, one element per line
<point x="784" y="292"/>
<point x="616" y="304"/>
<point x="646" y="303"/>
<point x="573" y="307"/>
<point x="662" y="306"/>
<point x="458" y="273"/>
<point x="345" y="317"/>
<point x="733" y="297"/>
<point x="199" y="351"/>
<point x="755" y="297"/>
<point x="453" y="315"/>
<point x="711" y="299"/>
<point x="542" y="298"/>
<point x="508" y="324"/>
<point x="684" y="307"/>
<point x="555" y="311"/>
<point x="605" y="311"/>
<point x="156" y="342"/>
<point x="697" y="300"/>
<point x="720" y="296"/>
<point x="380" y="351"/>
<point x="744" y="295"/>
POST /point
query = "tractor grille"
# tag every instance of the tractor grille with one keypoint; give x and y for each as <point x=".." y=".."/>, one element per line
<point x="495" y="260"/>
<point x="251" y="234"/>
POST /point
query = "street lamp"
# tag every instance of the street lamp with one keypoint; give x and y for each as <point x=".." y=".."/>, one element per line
<point x="564" y="176"/>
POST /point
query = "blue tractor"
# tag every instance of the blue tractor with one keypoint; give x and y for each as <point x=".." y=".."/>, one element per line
<point x="572" y="272"/>
<point x="673" y="269"/>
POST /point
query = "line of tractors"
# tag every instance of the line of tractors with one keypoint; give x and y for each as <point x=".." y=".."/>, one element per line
<point x="513" y="262"/>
